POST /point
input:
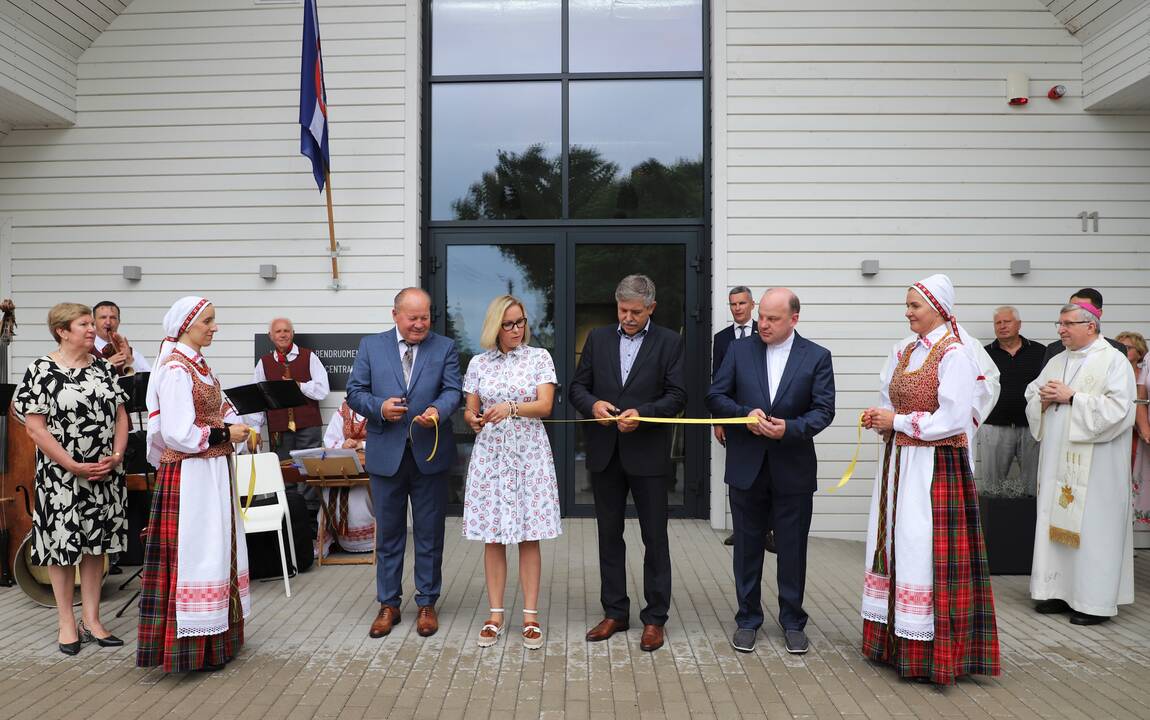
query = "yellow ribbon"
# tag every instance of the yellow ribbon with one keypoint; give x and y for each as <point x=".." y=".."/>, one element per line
<point x="854" y="460"/>
<point x="668" y="421"/>
<point x="435" y="445"/>
<point x="253" y="444"/>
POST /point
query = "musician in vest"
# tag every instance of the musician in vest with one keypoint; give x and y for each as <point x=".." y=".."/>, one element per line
<point x="111" y="345"/>
<point x="295" y="428"/>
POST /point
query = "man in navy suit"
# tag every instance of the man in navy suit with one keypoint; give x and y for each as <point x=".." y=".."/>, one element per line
<point x="400" y="376"/>
<point x="788" y="383"/>
<point x="742" y="305"/>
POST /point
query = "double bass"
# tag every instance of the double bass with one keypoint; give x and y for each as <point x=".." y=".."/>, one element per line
<point x="17" y="462"/>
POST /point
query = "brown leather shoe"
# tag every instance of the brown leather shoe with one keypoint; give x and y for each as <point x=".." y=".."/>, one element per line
<point x="605" y="629"/>
<point x="387" y="617"/>
<point x="652" y="638"/>
<point x="426" y="623"/>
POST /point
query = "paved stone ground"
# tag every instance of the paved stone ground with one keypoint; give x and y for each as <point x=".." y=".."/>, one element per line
<point x="310" y="657"/>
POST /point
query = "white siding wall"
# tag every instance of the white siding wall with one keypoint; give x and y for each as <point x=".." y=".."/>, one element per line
<point x="37" y="80"/>
<point x="854" y="129"/>
<point x="185" y="160"/>
<point x="1087" y="18"/>
<point x="1116" y="64"/>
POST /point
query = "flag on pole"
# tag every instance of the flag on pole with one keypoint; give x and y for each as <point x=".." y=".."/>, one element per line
<point x="313" y="98"/>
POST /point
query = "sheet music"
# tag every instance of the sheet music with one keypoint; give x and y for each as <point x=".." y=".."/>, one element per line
<point x="298" y="457"/>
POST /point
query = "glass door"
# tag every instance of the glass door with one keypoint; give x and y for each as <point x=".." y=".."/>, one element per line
<point x="477" y="267"/>
<point x="598" y="261"/>
<point x="567" y="279"/>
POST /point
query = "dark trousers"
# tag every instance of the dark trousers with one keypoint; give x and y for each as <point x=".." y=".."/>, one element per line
<point x="428" y="496"/>
<point x="610" y="489"/>
<point x="302" y="439"/>
<point x="753" y="511"/>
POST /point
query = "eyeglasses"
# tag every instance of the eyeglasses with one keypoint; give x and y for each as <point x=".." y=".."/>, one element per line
<point x="512" y="324"/>
<point x="1066" y="324"/>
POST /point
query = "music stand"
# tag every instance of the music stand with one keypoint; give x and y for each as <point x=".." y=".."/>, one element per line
<point x="136" y="385"/>
<point x="267" y="395"/>
<point x="332" y="467"/>
<point x="7" y="391"/>
<point x="135" y="462"/>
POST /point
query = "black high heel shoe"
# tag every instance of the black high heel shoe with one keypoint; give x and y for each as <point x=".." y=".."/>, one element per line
<point x="72" y="648"/>
<point x="86" y="635"/>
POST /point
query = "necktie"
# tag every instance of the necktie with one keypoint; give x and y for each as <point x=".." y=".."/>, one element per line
<point x="408" y="361"/>
<point x="741" y="332"/>
<point x="287" y="376"/>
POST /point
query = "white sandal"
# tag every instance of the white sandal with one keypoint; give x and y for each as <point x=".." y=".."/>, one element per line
<point x="532" y="633"/>
<point x="490" y="632"/>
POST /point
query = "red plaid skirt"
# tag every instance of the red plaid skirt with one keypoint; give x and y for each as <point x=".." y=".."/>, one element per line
<point x="965" y="635"/>
<point x="157" y="643"/>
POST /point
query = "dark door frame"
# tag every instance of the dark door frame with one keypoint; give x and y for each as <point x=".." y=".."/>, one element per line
<point x="696" y="480"/>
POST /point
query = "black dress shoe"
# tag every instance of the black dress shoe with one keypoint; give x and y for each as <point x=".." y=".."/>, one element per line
<point x="1077" y="618"/>
<point x="71" y="648"/>
<point x="109" y="640"/>
<point x="115" y="570"/>
<point x="88" y="636"/>
<point x="730" y="540"/>
<point x="1052" y="607"/>
<point x="210" y="667"/>
<point x="769" y="542"/>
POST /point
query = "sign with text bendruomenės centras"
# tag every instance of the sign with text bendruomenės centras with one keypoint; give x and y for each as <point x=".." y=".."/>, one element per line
<point x="336" y="351"/>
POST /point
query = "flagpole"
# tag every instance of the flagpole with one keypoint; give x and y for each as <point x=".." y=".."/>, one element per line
<point x="331" y="231"/>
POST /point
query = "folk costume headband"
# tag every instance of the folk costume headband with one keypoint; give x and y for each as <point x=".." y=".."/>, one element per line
<point x="938" y="290"/>
<point x="176" y="322"/>
<point x="181" y="316"/>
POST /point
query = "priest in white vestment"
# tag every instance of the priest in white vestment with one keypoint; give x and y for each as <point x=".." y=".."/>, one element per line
<point x="1081" y="409"/>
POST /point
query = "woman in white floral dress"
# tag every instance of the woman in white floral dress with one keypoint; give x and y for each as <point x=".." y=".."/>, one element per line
<point x="512" y="497"/>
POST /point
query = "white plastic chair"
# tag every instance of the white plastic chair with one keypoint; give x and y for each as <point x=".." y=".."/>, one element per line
<point x="265" y="518"/>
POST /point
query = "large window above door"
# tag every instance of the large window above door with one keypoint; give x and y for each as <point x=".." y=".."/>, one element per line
<point x="544" y="110"/>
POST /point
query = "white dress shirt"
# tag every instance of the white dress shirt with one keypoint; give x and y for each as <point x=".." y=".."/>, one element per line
<point x="777" y="355"/>
<point x="629" y="346"/>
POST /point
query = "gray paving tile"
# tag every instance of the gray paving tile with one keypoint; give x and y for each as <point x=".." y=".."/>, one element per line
<point x="309" y="656"/>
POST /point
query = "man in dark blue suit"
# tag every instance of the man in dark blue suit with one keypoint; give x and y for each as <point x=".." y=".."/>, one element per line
<point x="788" y="383"/>
<point x="742" y="305"/>
<point x="400" y="376"/>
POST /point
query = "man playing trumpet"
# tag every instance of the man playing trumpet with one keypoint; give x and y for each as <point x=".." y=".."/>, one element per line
<point x="113" y="346"/>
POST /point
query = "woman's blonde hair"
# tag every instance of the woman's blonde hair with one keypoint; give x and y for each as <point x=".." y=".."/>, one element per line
<point x="492" y="322"/>
<point x="62" y="315"/>
<point x="1136" y="339"/>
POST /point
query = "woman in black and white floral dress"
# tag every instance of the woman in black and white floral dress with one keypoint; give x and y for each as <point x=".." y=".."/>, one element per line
<point x="74" y="412"/>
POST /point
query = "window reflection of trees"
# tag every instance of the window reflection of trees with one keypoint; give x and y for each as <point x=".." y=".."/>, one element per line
<point x="528" y="185"/>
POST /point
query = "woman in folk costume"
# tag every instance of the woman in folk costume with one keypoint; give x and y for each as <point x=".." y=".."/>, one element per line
<point x="195" y="584"/>
<point x="927" y="604"/>
<point x="350" y="508"/>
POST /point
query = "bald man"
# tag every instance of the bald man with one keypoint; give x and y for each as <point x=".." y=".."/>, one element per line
<point x="787" y="383"/>
<point x="406" y="383"/>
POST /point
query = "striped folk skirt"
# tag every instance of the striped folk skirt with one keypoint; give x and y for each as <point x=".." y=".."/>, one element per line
<point x="965" y="635"/>
<point x="157" y="642"/>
